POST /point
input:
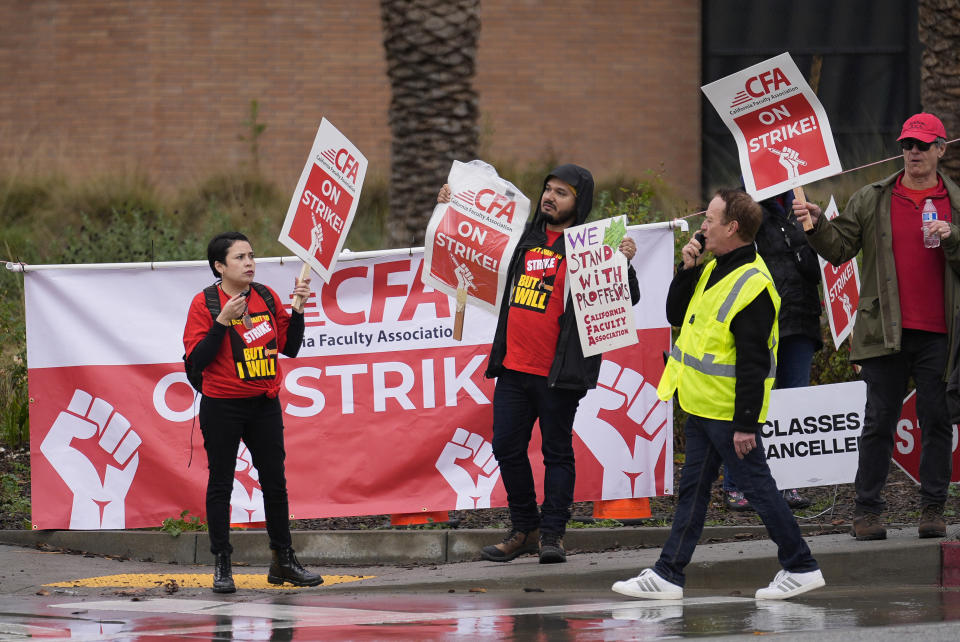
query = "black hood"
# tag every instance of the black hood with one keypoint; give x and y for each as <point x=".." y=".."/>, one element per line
<point x="581" y="180"/>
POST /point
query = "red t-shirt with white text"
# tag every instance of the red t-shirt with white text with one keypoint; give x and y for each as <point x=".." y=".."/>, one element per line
<point x="536" y="303"/>
<point x="246" y="364"/>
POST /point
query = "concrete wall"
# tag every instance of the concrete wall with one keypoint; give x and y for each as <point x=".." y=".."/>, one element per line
<point x="164" y="86"/>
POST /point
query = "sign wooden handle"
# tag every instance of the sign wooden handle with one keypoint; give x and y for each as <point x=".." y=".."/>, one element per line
<point x="298" y="300"/>
<point x="798" y="194"/>
<point x="461" y="309"/>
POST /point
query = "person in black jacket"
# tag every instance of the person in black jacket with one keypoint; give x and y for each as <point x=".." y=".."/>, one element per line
<point x="782" y="244"/>
<point x="540" y="368"/>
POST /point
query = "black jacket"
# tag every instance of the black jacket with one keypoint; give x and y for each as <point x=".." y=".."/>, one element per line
<point x="570" y="368"/>
<point x="794" y="267"/>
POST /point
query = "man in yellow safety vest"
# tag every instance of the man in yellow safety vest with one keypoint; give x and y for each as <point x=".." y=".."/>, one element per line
<point x="722" y="368"/>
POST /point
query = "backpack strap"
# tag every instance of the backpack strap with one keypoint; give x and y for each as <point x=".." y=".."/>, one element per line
<point x="267" y="297"/>
<point x="212" y="297"/>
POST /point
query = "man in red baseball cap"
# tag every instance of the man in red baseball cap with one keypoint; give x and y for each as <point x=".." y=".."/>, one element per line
<point x="909" y="296"/>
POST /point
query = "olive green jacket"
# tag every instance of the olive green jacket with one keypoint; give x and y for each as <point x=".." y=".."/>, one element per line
<point x="865" y="225"/>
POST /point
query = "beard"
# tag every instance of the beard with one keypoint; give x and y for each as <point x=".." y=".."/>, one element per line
<point x="559" y="217"/>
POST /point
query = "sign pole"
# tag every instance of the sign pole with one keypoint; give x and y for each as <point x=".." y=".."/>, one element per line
<point x="298" y="300"/>
<point x="461" y="309"/>
<point x="798" y="193"/>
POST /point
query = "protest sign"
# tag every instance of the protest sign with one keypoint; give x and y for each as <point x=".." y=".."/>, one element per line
<point x="470" y="240"/>
<point x="383" y="411"/>
<point x="781" y="129"/>
<point x="907" y="446"/>
<point x="325" y="201"/>
<point x="597" y="278"/>
<point x="841" y="290"/>
<point x="812" y="434"/>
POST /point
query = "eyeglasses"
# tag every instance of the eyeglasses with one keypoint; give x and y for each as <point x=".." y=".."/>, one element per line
<point x="908" y="143"/>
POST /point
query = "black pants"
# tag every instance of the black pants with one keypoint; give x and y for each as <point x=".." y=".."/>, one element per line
<point x="519" y="400"/>
<point x="923" y="355"/>
<point x="258" y="421"/>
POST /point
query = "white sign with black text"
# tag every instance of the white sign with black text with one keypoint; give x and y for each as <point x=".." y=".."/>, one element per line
<point x="812" y="435"/>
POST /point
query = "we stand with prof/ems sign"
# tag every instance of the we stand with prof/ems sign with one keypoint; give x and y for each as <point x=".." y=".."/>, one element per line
<point x="325" y="201"/>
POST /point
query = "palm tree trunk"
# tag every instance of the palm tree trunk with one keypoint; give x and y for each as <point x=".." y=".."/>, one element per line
<point x="940" y="70"/>
<point x="431" y="49"/>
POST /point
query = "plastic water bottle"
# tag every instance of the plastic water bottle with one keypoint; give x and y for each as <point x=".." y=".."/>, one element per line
<point x="929" y="215"/>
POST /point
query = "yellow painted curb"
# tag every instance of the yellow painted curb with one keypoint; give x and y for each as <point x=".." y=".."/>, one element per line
<point x="192" y="580"/>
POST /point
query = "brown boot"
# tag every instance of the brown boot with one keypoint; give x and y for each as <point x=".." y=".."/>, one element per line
<point x="516" y="543"/>
<point x="931" y="522"/>
<point x="868" y="526"/>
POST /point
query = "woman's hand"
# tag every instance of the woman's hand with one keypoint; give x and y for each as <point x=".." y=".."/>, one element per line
<point x="301" y="289"/>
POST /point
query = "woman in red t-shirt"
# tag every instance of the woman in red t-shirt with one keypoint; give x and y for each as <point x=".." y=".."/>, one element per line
<point x="237" y="353"/>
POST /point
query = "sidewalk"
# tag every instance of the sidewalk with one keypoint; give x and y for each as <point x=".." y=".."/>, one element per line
<point x="446" y="559"/>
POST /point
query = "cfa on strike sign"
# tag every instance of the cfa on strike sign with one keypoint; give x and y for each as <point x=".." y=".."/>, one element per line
<point x="782" y="132"/>
<point x="325" y="201"/>
<point x="470" y="240"/>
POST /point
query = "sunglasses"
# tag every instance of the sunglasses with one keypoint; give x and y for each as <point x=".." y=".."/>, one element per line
<point x="908" y="143"/>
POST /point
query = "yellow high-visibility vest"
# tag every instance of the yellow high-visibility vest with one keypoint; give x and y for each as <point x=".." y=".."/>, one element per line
<point x="702" y="363"/>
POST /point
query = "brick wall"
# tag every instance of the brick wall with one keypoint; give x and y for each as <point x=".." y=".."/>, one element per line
<point x="164" y="86"/>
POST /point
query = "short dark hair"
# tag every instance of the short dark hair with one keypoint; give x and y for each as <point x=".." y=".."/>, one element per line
<point x="741" y="207"/>
<point x="218" y="247"/>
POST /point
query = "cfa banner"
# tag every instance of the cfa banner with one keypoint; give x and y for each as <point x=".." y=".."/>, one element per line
<point x="782" y="132"/>
<point x="325" y="200"/>
<point x="599" y="286"/>
<point x="383" y="411"/>
<point x="841" y="290"/>
<point x="469" y="241"/>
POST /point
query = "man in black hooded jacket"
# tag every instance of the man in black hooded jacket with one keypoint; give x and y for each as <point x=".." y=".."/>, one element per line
<point x="541" y="370"/>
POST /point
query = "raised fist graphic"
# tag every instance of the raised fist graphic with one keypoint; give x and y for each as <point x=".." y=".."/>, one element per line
<point x="630" y="440"/>
<point x="246" y="500"/>
<point x="790" y="160"/>
<point x="316" y="239"/>
<point x="479" y="454"/>
<point x="464" y="276"/>
<point x="100" y="484"/>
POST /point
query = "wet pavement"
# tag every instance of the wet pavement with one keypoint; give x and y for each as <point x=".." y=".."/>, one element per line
<point x="850" y="613"/>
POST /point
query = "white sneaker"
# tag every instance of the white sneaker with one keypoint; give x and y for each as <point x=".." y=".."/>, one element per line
<point x="650" y="586"/>
<point x="786" y="585"/>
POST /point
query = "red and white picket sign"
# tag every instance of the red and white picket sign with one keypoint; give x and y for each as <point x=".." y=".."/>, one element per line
<point x="470" y="240"/>
<point x="907" y="446"/>
<point x="325" y="200"/>
<point x="782" y="132"/>
<point x="841" y="290"/>
<point x="383" y="411"/>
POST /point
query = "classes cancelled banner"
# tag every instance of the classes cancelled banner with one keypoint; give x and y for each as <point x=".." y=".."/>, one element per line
<point x="383" y="411"/>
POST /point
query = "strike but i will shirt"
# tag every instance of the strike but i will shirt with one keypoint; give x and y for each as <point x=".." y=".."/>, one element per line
<point x="246" y="364"/>
<point x="536" y="304"/>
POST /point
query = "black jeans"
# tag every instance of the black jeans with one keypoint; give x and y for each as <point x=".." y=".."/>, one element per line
<point x="923" y="355"/>
<point x="710" y="442"/>
<point x="258" y="421"/>
<point x="518" y="401"/>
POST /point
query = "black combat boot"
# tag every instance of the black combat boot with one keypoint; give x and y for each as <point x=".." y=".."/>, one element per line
<point x="223" y="575"/>
<point x="287" y="568"/>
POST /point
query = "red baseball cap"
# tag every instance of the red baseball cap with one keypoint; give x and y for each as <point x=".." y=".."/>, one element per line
<point x="924" y="127"/>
